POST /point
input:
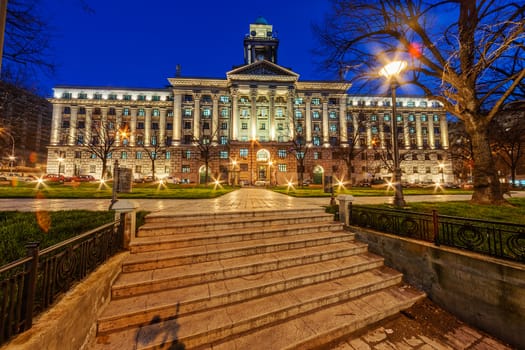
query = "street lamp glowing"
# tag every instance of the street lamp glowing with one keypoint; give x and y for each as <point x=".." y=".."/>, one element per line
<point x="393" y="69"/>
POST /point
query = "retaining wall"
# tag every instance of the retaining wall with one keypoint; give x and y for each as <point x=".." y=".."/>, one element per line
<point x="484" y="292"/>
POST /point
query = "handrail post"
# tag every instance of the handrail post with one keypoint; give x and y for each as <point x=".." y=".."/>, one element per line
<point x="30" y="284"/>
<point x="435" y="228"/>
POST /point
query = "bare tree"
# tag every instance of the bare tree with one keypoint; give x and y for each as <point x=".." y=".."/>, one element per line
<point x="349" y="151"/>
<point x="206" y="146"/>
<point x="101" y="141"/>
<point x="471" y="60"/>
<point x="460" y="151"/>
<point x="507" y="134"/>
<point x="155" y="150"/>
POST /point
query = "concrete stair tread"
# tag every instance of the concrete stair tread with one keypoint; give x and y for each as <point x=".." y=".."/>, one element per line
<point x="191" y="225"/>
<point x="207" y="249"/>
<point x="224" y="233"/>
<point x="208" y="327"/>
<point x="275" y="259"/>
<point x="233" y="214"/>
<point x="347" y="271"/>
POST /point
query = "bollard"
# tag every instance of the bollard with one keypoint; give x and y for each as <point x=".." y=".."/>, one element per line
<point x="344" y="201"/>
<point x="129" y="208"/>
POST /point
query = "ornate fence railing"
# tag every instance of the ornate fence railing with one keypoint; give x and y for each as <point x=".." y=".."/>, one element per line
<point x="30" y="285"/>
<point x="498" y="239"/>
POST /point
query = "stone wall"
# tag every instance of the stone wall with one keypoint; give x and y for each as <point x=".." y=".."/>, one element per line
<point x="71" y="322"/>
<point x="484" y="292"/>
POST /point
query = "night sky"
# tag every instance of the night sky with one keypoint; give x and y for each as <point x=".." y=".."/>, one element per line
<point x="132" y="43"/>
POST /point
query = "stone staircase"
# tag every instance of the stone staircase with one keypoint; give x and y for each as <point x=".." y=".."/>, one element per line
<point x="289" y="279"/>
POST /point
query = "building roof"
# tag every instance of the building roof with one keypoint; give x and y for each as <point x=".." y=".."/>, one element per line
<point x="261" y="20"/>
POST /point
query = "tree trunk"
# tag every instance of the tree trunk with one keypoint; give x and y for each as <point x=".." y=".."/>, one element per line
<point x="487" y="189"/>
<point x="104" y="167"/>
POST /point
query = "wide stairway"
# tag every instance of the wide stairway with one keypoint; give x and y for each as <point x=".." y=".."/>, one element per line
<point x="287" y="279"/>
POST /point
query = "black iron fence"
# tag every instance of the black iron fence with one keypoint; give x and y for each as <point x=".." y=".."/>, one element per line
<point x="30" y="285"/>
<point x="499" y="239"/>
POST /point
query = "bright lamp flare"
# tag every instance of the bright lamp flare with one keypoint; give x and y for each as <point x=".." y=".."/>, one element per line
<point x="393" y="68"/>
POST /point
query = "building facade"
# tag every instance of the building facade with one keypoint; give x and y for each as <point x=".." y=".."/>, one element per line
<point x="259" y="125"/>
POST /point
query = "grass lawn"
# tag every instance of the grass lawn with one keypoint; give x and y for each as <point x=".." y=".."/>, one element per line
<point x="510" y="214"/>
<point x="96" y="190"/>
<point x="317" y="191"/>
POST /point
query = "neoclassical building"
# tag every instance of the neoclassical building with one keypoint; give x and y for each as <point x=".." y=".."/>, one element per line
<point x="260" y="124"/>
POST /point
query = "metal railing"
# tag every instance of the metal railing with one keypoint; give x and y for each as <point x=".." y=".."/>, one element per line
<point x="498" y="239"/>
<point x="30" y="285"/>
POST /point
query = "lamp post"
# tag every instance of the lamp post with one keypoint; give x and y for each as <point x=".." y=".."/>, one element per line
<point x="391" y="71"/>
<point x="270" y="163"/>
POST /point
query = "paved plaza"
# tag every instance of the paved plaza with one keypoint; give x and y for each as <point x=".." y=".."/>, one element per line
<point x="242" y="199"/>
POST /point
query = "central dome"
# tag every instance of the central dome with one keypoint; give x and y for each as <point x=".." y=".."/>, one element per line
<point x="261" y="20"/>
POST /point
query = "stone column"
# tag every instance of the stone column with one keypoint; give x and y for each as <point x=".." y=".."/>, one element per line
<point x="133" y="127"/>
<point x="214" y="127"/>
<point x="177" y="118"/>
<point x="162" y="128"/>
<point x="419" y="133"/>
<point x="55" y="124"/>
<point x="431" y="139"/>
<point x="235" y="115"/>
<point x="89" y="121"/>
<point x="444" y="131"/>
<point x="196" y="115"/>
<point x="73" y="126"/>
<point x="290" y="112"/>
<point x="326" y="134"/>
<point x="253" y="114"/>
<point x="342" y="120"/>
<point x="118" y="125"/>
<point x="308" y="119"/>
<point x="355" y="122"/>
<point x="147" y="127"/>
<point x="271" y="114"/>
<point x="406" y="133"/>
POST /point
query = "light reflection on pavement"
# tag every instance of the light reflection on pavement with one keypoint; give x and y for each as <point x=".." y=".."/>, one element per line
<point x="242" y="199"/>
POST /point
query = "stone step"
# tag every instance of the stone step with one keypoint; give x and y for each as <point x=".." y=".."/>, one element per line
<point x="163" y="217"/>
<point x="192" y="255"/>
<point x="295" y="319"/>
<point x="185" y="275"/>
<point x="313" y="279"/>
<point x="168" y="242"/>
<point x="203" y="225"/>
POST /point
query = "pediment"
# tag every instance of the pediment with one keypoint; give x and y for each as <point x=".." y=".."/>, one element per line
<point x="262" y="68"/>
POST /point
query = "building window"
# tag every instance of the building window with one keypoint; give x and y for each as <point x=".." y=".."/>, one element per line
<point x="123" y="155"/>
<point x="153" y="141"/>
<point x="279" y="112"/>
<point x="167" y="155"/>
<point x="187" y="112"/>
<point x="186" y="154"/>
<point x="316" y="115"/>
<point x="224" y="99"/>
<point x="333" y="127"/>
<point x="80" y="139"/>
<point x="414" y="170"/>
<point x="223" y="154"/>
<point x="280" y="126"/>
<point x="224" y="126"/>
<point x="169" y="141"/>
<point x="316" y="140"/>
<point x="243" y="167"/>
<point x="138" y="155"/>
<point x="262" y="126"/>
<point x="97" y="96"/>
<point x="138" y="169"/>
<point x="224" y="140"/>
<point x="82" y="95"/>
<point x="65" y="124"/>
<point x="244" y="126"/>
<point x="188" y="98"/>
<point x="126" y="111"/>
<point x="169" y="126"/>
<point x="169" y="113"/>
<point x="423" y="104"/>
<point x="127" y="97"/>
<point x="332" y="115"/>
<point x="225" y="113"/>
<point x="281" y="168"/>
<point x="316" y="101"/>
<point x="185" y="169"/>
<point x="386" y="117"/>
<point x="206" y="112"/>
<point x="424" y="118"/>
<point x="155" y="98"/>
<point x="187" y="139"/>
<point x="141" y="112"/>
<point x="187" y="125"/>
<point x="436" y="118"/>
<point x="281" y="153"/>
<point x="155" y="112"/>
<point x="67" y="95"/>
<point x="427" y="170"/>
<point x="140" y="125"/>
<point x="243" y="153"/>
<point x="78" y="154"/>
<point x="298" y="114"/>
<point x="141" y="98"/>
<point x="155" y="126"/>
<point x="411" y="118"/>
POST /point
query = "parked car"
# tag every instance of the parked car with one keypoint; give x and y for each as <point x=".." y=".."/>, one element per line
<point x="83" y="178"/>
<point x="54" y="178"/>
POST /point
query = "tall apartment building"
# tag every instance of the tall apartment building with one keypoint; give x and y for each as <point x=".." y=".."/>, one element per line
<point x="259" y="124"/>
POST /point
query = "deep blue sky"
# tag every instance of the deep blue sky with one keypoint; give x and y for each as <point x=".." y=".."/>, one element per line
<point x="132" y="43"/>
